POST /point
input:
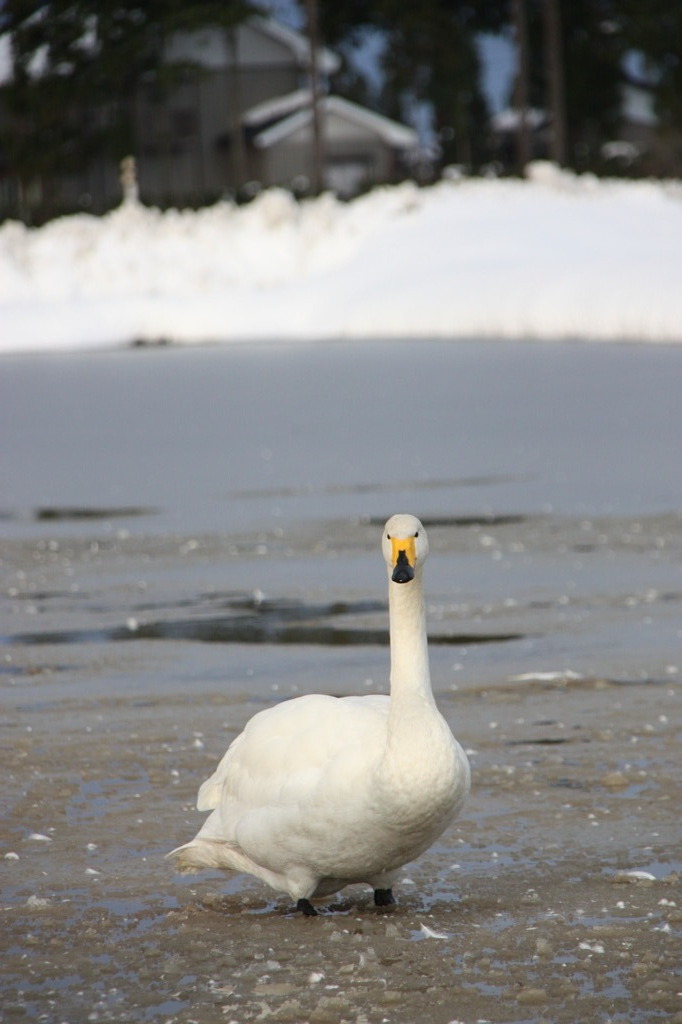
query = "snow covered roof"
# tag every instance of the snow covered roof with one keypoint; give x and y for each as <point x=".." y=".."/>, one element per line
<point x="5" y="59"/>
<point x="276" y="108"/>
<point x="258" y="42"/>
<point x="638" y="106"/>
<point x="509" y="120"/>
<point x="36" y="66"/>
<point x="299" y="115"/>
<point x="298" y="44"/>
<point x="294" y="41"/>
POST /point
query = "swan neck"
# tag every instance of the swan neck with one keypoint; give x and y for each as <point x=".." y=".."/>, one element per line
<point x="409" y="651"/>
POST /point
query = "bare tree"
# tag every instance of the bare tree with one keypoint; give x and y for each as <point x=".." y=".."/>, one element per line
<point x="317" y="182"/>
<point x="555" y="76"/>
<point x="523" y="150"/>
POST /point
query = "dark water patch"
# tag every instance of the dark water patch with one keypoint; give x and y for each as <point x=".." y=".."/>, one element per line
<point x="47" y="595"/>
<point x="490" y="480"/>
<point x="290" y="609"/>
<point x="540" y="741"/>
<point x="59" y="637"/>
<point x="40" y="707"/>
<point x="254" y="619"/>
<point x="30" y="671"/>
<point x="457" y="522"/>
<point x="63" y="513"/>
<point x="487" y="519"/>
<point x="245" y="630"/>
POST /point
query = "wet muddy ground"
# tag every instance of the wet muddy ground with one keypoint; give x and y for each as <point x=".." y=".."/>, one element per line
<point x="557" y="896"/>
<point x="134" y="648"/>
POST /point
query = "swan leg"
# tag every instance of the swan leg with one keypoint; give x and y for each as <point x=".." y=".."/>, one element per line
<point x="383" y="897"/>
<point x="307" y="908"/>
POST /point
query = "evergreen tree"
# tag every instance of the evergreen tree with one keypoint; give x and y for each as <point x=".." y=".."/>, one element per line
<point x="653" y="28"/>
<point x="76" y="67"/>
<point x="429" y="56"/>
<point x="593" y="49"/>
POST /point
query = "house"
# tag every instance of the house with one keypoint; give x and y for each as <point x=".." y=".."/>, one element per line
<point x="360" y="147"/>
<point x="239" y="116"/>
<point x="192" y="143"/>
<point x="637" y="147"/>
<point x="505" y="126"/>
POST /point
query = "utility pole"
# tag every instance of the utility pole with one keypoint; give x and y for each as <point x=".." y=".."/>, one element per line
<point x="523" y="149"/>
<point x="555" y="74"/>
<point x="238" y="163"/>
<point x="317" y="180"/>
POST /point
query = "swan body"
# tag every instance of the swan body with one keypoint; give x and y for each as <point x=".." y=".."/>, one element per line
<point x="321" y="792"/>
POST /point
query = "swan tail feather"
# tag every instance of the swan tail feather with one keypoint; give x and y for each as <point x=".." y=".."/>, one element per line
<point x="200" y="854"/>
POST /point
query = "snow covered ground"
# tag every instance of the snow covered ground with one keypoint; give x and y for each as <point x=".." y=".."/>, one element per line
<point x="556" y="256"/>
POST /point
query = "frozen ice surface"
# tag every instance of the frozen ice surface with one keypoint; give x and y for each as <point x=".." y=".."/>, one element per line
<point x="188" y="491"/>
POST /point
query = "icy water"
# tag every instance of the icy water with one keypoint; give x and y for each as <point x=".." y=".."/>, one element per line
<point x="191" y="535"/>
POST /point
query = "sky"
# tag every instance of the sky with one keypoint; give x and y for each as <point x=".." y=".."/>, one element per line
<point x="497" y="54"/>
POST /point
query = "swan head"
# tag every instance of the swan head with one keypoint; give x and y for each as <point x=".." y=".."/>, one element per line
<point x="405" y="546"/>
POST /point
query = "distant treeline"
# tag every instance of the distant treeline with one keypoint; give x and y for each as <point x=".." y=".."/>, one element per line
<point x="78" y="64"/>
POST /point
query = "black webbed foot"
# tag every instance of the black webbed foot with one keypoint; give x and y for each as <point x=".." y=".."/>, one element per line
<point x="306" y="907"/>
<point x="383" y="898"/>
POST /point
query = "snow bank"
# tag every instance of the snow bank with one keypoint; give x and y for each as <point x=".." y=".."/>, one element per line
<point x="556" y="256"/>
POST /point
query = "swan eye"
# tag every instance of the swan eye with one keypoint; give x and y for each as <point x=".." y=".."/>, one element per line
<point x="388" y="536"/>
<point x="417" y="533"/>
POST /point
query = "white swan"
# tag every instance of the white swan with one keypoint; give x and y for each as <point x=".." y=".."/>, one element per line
<point x="320" y="792"/>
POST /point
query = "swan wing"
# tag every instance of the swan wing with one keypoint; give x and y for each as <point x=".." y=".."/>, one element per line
<point x="286" y="752"/>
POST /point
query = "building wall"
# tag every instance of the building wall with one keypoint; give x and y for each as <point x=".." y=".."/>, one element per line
<point x="352" y="154"/>
<point x="191" y="146"/>
<point x="216" y="49"/>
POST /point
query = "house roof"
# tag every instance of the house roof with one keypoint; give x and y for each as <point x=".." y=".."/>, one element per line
<point x="297" y="110"/>
<point x="38" y="64"/>
<point x="208" y="46"/>
<point x="509" y="120"/>
<point x="276" y="108"/>
<point x="296" y="42"/>
<point x="637" y="106"/>
<point x="5" y="59"/>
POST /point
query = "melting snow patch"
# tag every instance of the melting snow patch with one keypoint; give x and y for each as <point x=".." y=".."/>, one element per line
<point x="37" y="902"/>
<point x="431" y="933"/>
<point x="546" y="677"/>
<point x="593" y="947"/>
<point x="634" y="876"/>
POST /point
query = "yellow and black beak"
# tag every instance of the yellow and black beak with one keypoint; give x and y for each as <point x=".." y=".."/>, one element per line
<point x="403" y="559"/>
